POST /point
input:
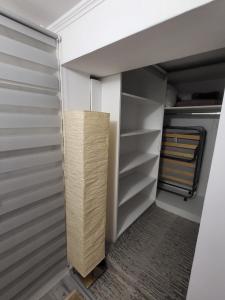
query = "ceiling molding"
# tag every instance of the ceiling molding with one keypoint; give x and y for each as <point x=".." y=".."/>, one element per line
<point x="74" y="14"/>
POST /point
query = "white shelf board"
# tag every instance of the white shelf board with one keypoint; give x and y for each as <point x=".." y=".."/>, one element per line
<point x="132" y="160"/>
<point x="131" y="185"/>
<point x="137" y="99"/>
<point x="193" y="109"/>
<point x="129" y="132"/>
<point x="139" y="205"/>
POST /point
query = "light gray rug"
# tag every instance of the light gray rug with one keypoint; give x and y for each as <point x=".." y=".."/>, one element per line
<point x="151" y="260"/>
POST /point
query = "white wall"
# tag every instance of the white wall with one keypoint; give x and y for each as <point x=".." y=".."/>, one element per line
<point x="112" y="20"/>
<point x="208" y="272"/>
<point x="96" y="95"/>
<point x="75" y="90"/>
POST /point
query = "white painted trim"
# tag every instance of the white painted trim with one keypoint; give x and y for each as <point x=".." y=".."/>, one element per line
<point x="25" y="22"/>
<point x="74" y="14"/>
<point x="178" y="211"/>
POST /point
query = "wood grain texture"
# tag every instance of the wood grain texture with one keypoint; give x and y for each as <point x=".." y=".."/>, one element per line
<point x="86" y="162"/>
<point x="176" y="179"/>
<point x="178" y="154"/>
<point x="177" y="171"/>
<point x="182" y="136"/>
<point x="177" y="162"/>
<point x="74" y="296"/>
<point x="179" y="145"/>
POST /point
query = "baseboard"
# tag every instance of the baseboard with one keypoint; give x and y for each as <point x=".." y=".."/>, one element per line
<point x="177" y="211"/>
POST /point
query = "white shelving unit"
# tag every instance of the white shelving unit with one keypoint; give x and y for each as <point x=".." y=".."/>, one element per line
<point x="128" y="132"/>
<point x="136" y="99"/>
<point x="133" y="160"/>
<point x="136" y="119"/>
<point x="131" y="211"/>
<point x="131" y="185"/>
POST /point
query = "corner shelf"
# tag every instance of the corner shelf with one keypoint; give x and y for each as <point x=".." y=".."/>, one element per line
<point x="129" y="132"/>
<point x="193" y="109"/>
<point x="133" y="160"/>
<point x="131" y="185"/>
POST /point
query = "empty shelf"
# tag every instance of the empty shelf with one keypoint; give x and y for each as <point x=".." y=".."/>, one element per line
<point x="127" y="215"/>
<point x="129" y="132"/>
<point x="132" y="185"/>
<point x="133" y="160"/>
<point x="137" y="99"/>
<point x="193" y="109"/>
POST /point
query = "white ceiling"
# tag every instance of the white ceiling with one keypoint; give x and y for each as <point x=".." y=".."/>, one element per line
<point x="194" y="61"/>
<point x="40" y="12"/>
<point x="197" y="31"/>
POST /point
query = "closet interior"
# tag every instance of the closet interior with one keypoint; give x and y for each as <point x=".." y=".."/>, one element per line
<point x="184" y="93"/>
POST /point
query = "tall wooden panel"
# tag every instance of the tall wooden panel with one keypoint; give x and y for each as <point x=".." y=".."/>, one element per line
<point x="86" y="161"/>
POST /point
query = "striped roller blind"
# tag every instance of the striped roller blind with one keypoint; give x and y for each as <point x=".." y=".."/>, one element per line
<point x="32" y="229"/>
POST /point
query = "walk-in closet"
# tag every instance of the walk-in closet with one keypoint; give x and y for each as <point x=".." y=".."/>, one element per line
<point x="163" y="129"/>
<point x="112" y="136"/>
<point x="185" y="94"/>
<point x="195" y="88"/>
<point x="164" y="121"/>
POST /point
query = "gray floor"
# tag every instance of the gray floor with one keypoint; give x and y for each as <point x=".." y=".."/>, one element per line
<point x="63" y="288"/>
<point x="151" y="260"/>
